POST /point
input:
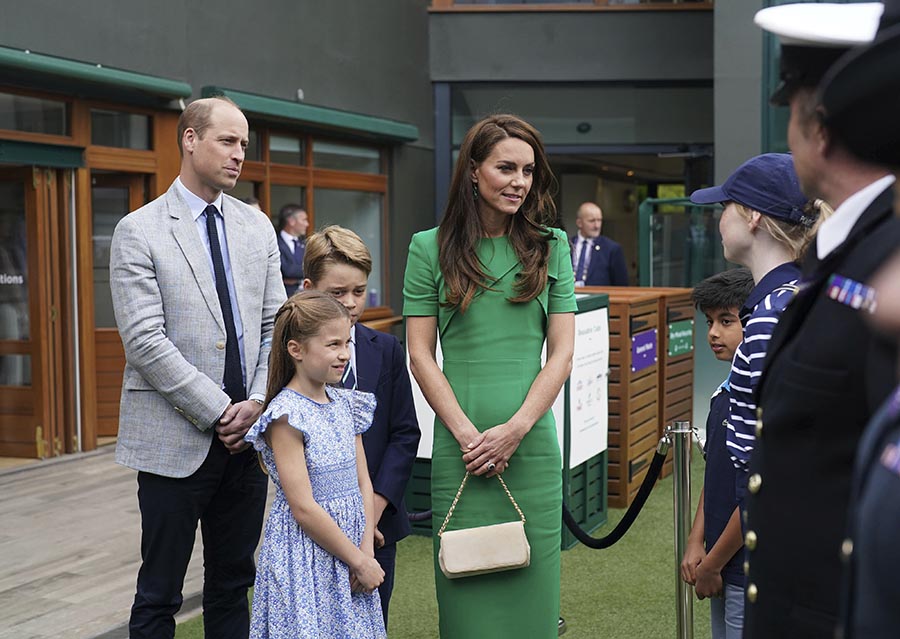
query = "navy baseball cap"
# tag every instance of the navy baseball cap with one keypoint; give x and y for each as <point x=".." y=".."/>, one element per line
<point x="766" y="183"/>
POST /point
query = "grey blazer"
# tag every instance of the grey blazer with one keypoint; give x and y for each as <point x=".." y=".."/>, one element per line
<point x="171" y="325"/>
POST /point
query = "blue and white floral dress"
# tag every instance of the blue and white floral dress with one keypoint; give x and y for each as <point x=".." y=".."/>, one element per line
<point x="303" y="591"/>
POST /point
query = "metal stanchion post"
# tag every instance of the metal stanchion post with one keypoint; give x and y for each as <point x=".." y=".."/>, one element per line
<point x="681" y="434"/>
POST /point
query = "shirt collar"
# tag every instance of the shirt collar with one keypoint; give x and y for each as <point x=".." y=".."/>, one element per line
<point x="353" y="334"/>
<point x="582" y="238"/>
<point x="195" y="203"/>
<point x="724" y="386"/>
<point x="288" y="238"/>
<point x="836" y="228"/>
<point x="778" y="276"/>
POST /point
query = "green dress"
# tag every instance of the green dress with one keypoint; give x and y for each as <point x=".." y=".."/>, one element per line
<point x="492" y="353"/>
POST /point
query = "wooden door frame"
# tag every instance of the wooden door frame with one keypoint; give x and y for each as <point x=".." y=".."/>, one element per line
<point x="58" y="352"/>
<point x="27" y="432"/>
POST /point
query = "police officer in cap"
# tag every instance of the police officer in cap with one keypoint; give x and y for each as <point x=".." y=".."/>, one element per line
<point x="861" y="100"/>
<point x="826" y="372"/>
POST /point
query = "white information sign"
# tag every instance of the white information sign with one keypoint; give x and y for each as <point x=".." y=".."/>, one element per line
<point x="423" y="411"/>
<point x="589" y="387"/>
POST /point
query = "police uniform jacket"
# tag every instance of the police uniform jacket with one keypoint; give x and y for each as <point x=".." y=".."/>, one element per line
<point x="825" y="375"/>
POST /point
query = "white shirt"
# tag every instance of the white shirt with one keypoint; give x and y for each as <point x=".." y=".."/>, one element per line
<point x="835" y="229"/>
<point x="353" y="353"/>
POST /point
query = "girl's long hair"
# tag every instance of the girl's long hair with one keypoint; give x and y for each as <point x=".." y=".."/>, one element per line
<point x="299" y="319"/>
<point x="461" y="229"/>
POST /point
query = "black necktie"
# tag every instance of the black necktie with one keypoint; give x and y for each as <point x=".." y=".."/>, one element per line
<point x="233" y="379"/>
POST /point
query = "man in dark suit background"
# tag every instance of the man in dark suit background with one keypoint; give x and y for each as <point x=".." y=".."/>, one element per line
<point x="338" y="263"/>
<point x="292" y="224"/>
<point x="597" y="260"/>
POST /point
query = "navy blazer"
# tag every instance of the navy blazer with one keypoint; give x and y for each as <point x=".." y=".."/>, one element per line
<point x="393" y="440"/>
<point x="290" y="270"/>
<point x="607" y="265"/>
<point x="871" y="593"/>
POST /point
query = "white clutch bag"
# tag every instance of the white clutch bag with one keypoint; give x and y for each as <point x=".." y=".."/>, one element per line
<point x="484" y="549"/>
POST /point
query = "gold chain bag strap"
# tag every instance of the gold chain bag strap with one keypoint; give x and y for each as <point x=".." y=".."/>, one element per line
<point x="484" y="549"/>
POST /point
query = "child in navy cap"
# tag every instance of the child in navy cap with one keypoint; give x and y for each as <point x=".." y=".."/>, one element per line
<point x="766" y="225"/>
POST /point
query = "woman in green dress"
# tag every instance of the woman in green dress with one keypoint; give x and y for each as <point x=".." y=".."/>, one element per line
<point x="495" y="282"/>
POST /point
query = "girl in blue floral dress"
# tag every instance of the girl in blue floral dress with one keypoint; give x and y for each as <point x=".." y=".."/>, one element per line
<point x="317" y="573"/>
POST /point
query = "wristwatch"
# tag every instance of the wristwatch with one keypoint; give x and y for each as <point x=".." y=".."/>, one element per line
<point x="258" y="401"/>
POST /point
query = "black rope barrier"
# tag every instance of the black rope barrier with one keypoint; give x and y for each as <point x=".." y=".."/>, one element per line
<point x="633" y="510"/>
<point x="422" y="516"/>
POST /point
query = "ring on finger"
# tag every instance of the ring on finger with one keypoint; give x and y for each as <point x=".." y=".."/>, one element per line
<point x="491" y="465"/>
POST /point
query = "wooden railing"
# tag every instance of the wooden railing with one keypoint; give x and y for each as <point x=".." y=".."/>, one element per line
<point x="380" y="318"/>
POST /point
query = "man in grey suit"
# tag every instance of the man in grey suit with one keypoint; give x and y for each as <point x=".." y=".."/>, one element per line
<point x="196" y="282"/>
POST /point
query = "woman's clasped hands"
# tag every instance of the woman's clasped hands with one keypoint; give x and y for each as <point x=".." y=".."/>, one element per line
<point x="489" y="453"/>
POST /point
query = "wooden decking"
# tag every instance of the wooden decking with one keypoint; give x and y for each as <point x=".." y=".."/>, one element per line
<point x="70" y="543"/>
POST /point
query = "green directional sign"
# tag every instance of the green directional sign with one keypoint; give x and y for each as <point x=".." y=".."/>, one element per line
<point x="681" y="337"/>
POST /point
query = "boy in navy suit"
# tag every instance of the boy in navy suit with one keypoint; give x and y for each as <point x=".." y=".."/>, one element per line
<point x="338" y="262"/>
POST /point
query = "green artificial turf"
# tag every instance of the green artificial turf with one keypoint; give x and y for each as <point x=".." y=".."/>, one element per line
<point x="626" y="591"/>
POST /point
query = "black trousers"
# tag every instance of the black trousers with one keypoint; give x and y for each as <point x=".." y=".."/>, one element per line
<point x="386" y="556"/>
<point x="227" y="495"/>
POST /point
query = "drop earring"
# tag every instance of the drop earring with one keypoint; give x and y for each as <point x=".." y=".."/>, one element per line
<point x="475" y="191"/>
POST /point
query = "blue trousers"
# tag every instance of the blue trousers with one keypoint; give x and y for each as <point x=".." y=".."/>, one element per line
<point x="727" y="613"/>
<point x="386" y="556"/>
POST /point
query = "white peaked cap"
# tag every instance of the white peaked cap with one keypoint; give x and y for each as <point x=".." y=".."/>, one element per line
<point x="822" y="24"/>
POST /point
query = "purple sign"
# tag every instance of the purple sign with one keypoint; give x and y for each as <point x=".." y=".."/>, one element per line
<point x="643" y="350"/>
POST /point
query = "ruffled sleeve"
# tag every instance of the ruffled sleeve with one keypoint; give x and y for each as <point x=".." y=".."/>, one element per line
<point x="362" y="410"/>
<point x="276" y="409"/>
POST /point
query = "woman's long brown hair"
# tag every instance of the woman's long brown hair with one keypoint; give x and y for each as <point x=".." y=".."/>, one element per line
<point x="461" y="229"/>
<point x="299" y="318"/>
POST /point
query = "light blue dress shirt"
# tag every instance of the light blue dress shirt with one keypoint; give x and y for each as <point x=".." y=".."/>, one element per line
<point x="197" y="206"/>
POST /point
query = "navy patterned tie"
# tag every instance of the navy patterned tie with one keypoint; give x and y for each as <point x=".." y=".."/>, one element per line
<point x="349" y="380"/>
<point x="579" y="275"/>
<point x="299" y="250"/>
<point x="233" y="380"/>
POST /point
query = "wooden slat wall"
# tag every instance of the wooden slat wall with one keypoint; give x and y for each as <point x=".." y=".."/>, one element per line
<point x="17" y="422"/>
<point x="676" y="375"/>
<point x="110" y="363"/>
<point x="633" y="397"/>
<point x="675" y="383"/>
